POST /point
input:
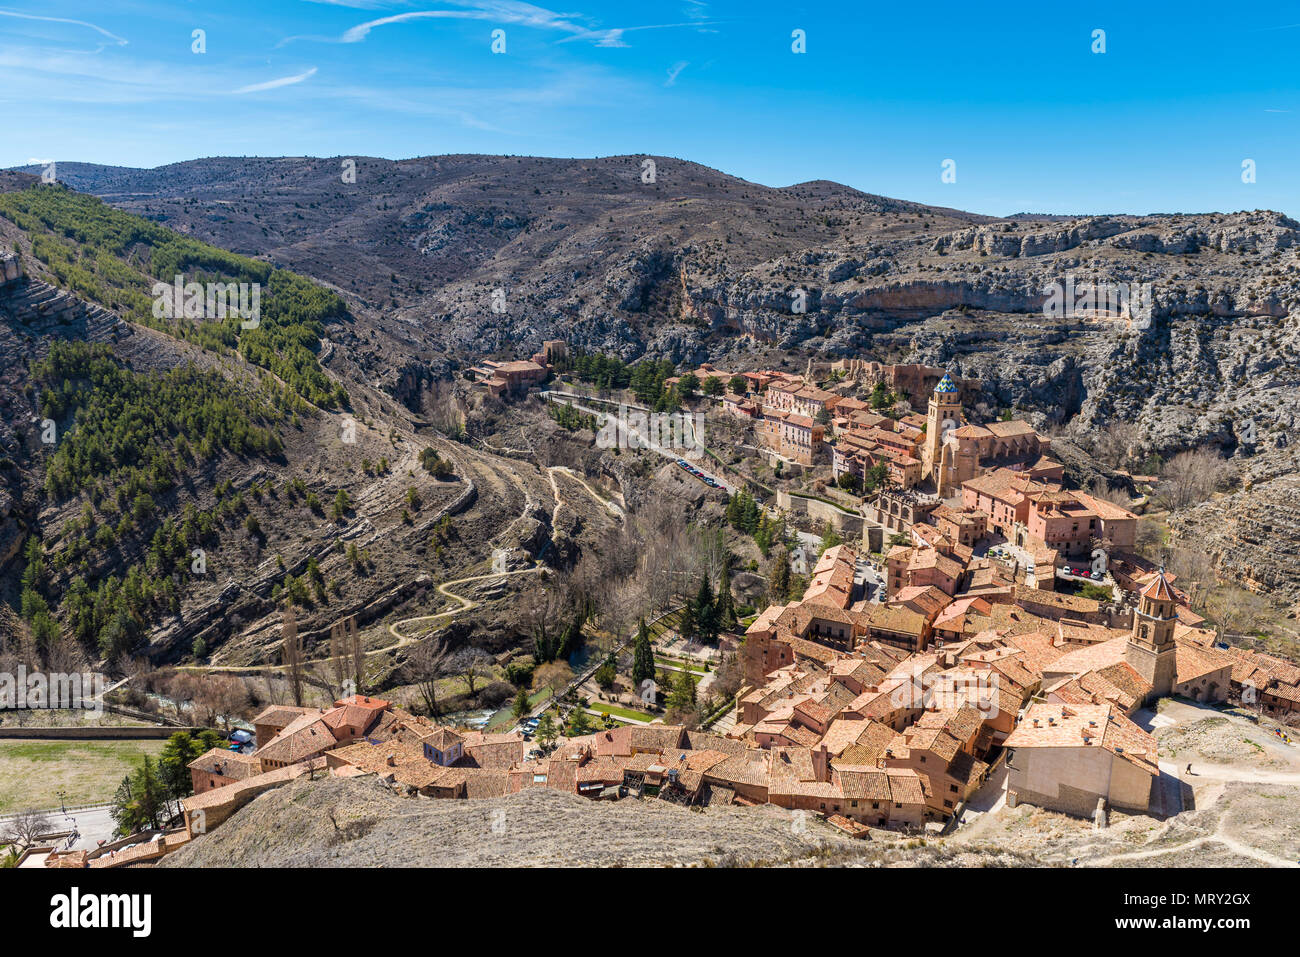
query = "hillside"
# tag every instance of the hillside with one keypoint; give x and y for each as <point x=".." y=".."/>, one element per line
<point x="353" y="823"/>
<point x="698" y="265"/>
<point x="164" y="481"/>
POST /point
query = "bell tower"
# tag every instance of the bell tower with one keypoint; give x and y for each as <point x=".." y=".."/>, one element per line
<point x="944" y="407"/>
<point x="1151" y="649"/>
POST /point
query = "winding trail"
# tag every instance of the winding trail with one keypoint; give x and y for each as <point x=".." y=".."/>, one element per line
<point x="402" y="640"/>
<point x="445" y="588"/>
<point x="559" y="500"/>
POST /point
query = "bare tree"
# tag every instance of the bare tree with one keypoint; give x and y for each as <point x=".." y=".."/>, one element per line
<point x="427" y="663"/>
<point x="1193" y="566"/>
<point x="1237" y="610"/>
<point x="1116" y="445"/>
<point x="446" y="412"/>
<point x="555" y="675"/>
<point x="545" y="611"/>
<point x="339" y="659"/>
<point x="358" y="654"/>
<point x="291" y="654"/>
<point x="1149" y="539"/>
<point x="23" y="829"/>
<point x="713" y="554"/>
<point x="182" y="687"/>
<point x="1100" y="488"/>
<point x="472" y="665"/>
<point x="1190" y="478"/>
<point x="220" y="696"/>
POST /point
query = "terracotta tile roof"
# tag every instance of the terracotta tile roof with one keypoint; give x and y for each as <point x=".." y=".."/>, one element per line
<point x="712" y="741"/>
<point x="863" y="783"/>
<point x="1091" y="657"/>
<point x="219" y="796"/>
<point x="1159" y="589"/>
<point x="963" y="723"/>
<point x="494" y="751"/>
<point x="905" y="786"/>
<point x="438" y="737"/>
<point x="895" y="619"/>
<point x="1010" y="429"/>
<point x="1192" y="662"/>
<point x="228" y="764"/>
<point x="750" y="767"/>
<point x="1076" y="726"/>
<point x="303" y="738"/>
<point x="926" y="599"/>
<point x="867" y="735"/>
<point x="279" y="715"/>
<point x="966" y="768"/>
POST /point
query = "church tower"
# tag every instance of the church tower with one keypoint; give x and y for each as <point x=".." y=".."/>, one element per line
<point x="1151" y="650"/>
<point x="944" y="407"/>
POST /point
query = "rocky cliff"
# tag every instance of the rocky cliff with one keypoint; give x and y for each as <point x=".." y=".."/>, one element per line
<point x="453" y="257"/>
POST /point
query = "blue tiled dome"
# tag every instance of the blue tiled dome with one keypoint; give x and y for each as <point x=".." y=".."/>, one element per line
<point x="946" y="385"/>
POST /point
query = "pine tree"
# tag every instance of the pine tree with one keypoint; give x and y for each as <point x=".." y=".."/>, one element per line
<point x="643" y="659"/>
<point x="705" y="620"/>
<point x="546" y="730"/>
<point x="779" y="583"/>
<point x="682" y="695"/>
<point x="724" y="608"/>
<point x="521" y="706"/>
<point x="687" y="626"/>
<point x="763" y="535"/>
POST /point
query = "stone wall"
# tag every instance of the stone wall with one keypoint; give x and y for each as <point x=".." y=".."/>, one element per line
<point x="844" y="522"/>
<point x="94" y="733"/>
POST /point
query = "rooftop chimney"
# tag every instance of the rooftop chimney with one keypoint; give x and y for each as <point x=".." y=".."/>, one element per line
<point x="821" y="760"/>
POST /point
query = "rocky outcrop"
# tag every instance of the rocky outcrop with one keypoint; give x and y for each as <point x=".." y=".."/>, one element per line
<point x="11" y="269"/>
<point x="1253" y="534"/>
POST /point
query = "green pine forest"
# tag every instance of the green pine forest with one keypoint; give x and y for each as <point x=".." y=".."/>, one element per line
<point x="127" y="439"/>
<point x="114" y="258"/>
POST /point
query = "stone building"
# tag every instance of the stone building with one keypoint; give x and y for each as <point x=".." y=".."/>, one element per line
<point x="1151" y="649"/>
<point x="1079" y="758"/>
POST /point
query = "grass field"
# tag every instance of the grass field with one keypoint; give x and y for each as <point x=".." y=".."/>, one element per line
<point x="33" y="772"/>
<point x="690" y="666"/>
<point x="618" y="712"/>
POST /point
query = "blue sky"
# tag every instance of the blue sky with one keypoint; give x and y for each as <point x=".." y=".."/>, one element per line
<point x="1161" y="121"/>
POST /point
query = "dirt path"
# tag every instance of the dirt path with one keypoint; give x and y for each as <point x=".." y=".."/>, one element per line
<point x="1218" y="837"/>
<point x="559" y="499"/>
<point x="445" y="588"/>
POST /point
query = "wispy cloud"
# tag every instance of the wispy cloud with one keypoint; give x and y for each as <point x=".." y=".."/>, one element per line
<point x="696" y="9"/>
<point x="674" y="71"/>
<point x="79" y="23"/>
<point x="501" y="12"/>
<point x="276" y="84"/>
<point x="355" y="4"/>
